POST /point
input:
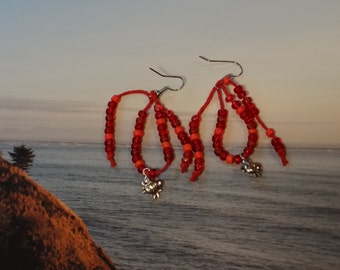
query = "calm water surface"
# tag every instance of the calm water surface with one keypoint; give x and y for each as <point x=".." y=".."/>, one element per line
<point x="288" y="219"/>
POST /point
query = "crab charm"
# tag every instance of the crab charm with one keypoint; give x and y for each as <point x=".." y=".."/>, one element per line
<point x="251" y="167"/>
<point x="152" y="186"/>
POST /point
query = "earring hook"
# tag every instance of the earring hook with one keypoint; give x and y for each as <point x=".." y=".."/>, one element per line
<point x="159" y="92"/>
<point x="225" y="61"/>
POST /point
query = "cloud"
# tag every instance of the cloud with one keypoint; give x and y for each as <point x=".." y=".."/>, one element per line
<point x="45" y="105"/>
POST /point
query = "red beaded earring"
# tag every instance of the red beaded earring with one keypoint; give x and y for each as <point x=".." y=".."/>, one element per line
<point x="247" y="111"/>
<point x="151" y="184"/>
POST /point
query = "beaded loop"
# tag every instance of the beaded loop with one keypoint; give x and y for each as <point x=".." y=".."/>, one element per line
<point x="246" y="109"/>
<point x="151" y="184"/>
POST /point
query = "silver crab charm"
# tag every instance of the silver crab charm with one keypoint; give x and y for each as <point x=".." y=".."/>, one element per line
<point x="153" y="187"/>
<point x="251" y="167"/>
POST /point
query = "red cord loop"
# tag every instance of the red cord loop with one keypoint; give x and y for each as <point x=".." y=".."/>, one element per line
<point x="246" y="109"/>
<point x="162" y="117"/>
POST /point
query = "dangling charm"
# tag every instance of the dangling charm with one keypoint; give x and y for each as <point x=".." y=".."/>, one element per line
<point x="252" y="168"/>
<point x="154" y="187"/>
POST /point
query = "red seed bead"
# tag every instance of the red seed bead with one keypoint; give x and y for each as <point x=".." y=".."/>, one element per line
<point x="238" y="89"/>
<point x="247" y="101"/>
<point x="179" y="129"/>
<point x="194" y="136"/>
<point x="139" y="126"/>
<point x="199" y="155"/>
<point x="115" y="99"/>
<point x="187" y="147"/>
<point x="248" y="151"/>
<point x="194" y="124"/>
<point x="242" y="94"/>
<point x="142" y="114"/>
<point x="187" y="155"/>
<point x="219" y="131"/>
<point x="254" y="111"/>
<point x="230" y="159"/>
<point x="226" y="80"/>
<point x="184" y="167"/>
<point x="161" y="121"/>
<point x="222" y="112"/>
<point x="241" y="110"/>
<point x="168" y="154"/>
<point x="237" y="159"/>
<point x="141" y="168"/>
<point x="152" y="173"/>
<point x="197" y="145"/>
<point x="196" y="118"/>
<point x="139" y="163"/>
<point x="166" y="144"/>
<point x="252" y="125"/>
<point x="218" y="151"/>
<point x="270" y="132"/>
<point x="223" y="155"/>
<point x="108" y="136"/>
<point x="235" y="104"/>
<point x="230" y="98"/>
<point x="158" y="107"/>
<point x="138" y="133"/>
<point x="195" y="175"/>
<point x="253" y="136"/>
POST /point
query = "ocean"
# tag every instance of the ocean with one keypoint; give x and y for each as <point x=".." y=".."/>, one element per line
<point x="287" y="219"/>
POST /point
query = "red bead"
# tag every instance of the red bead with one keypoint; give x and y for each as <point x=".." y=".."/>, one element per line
<point x="235" y="104"/>
<point x="187" y="157"/>
<point x="142" y="114"/>
<point x="242" y="94"/>
<point x="182" y="136"/>
<point x="254" y="111"/>
<point x="193" y="130"/>
<point x="222" y="112"/>
<point x="230" y="159"/>
<point x="199" y="164"/>
<point x="230" y="98"/>
<point x="195" y="175"/>
<point x="247" y="101"/>
<point x="115" y="99"/>
<point x="252" y="125"/>
<point x="109" y="110"/>
<point x="238" y="89"/>
<point x="138" y="133"/>
<point x="158" y="108"/>
<point x="248" y="151"/>
<point x="194" y="124"/>
<point x="196" y="118"/>
<point x="253" y="136"/>
<point x="139" y="126"/>
<point x="270" y="132"/>
<point x="226" y="80"/>
<point x="237" y="159"/>
<point x="223" y="155"/>
<point x="109" y="124"/>
<point x="168" y="154"/>
<point x="184" y="167"/>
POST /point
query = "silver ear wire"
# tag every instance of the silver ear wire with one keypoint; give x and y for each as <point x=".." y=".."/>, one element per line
<point x="159" y="92"/>
<point x="225" y="61"/>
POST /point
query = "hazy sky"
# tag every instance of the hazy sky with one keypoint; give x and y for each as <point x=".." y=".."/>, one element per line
<point x="61" y="61"/>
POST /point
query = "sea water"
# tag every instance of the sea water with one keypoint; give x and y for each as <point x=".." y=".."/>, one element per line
<point x="287" y="219"/>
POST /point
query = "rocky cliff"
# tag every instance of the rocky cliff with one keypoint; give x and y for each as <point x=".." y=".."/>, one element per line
<point x="38" y="231"/>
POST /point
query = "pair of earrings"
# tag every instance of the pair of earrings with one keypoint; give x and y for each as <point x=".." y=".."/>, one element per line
<point x="192" y="145"/>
